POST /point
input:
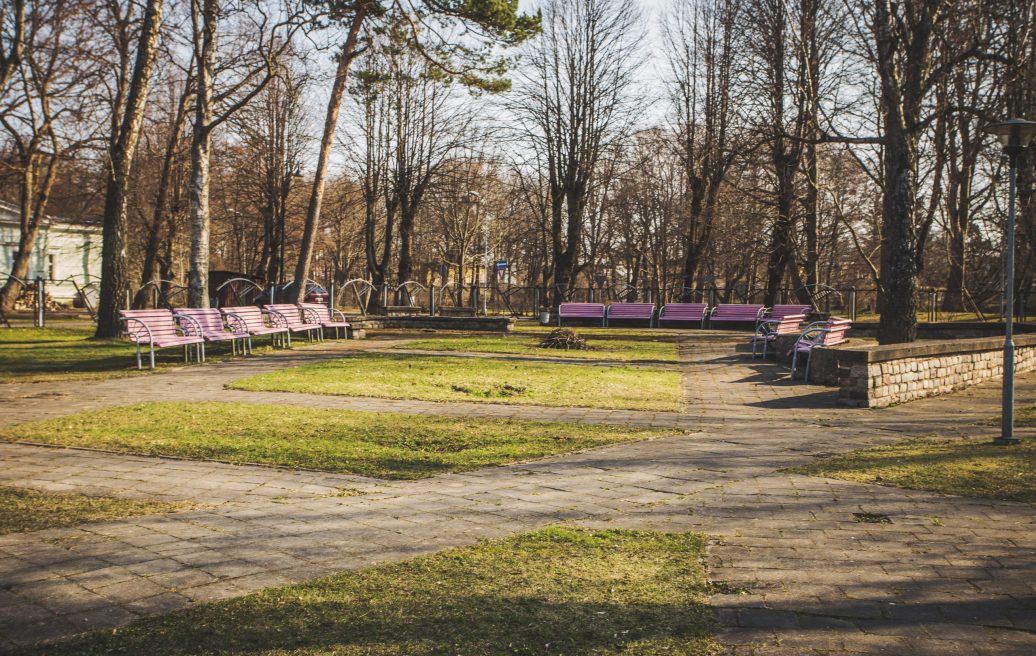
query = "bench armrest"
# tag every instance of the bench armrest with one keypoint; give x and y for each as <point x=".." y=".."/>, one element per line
<point x="309" y="315"/>
<point x="236" y="322"/>
<point x="277" y="320"/>
<point x="338" y="315"/>
<point x="133" y="336"/>
<point x="191" y="325"/>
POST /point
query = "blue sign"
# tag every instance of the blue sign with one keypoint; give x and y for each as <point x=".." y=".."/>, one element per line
<point x="501" y="265"/>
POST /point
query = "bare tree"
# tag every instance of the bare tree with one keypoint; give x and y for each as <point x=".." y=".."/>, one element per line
<point x="41" y="116"/>
<point x="576" y="103"/>
<point x="127" y="117"/>
<point x="701" y="50"/>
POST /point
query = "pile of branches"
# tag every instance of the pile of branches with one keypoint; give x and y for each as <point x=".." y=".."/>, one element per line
<point x="564" y="338"/>
<point x="26" y="299"/>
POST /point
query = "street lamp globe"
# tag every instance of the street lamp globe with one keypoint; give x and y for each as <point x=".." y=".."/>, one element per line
<point x="1015" y="135"/>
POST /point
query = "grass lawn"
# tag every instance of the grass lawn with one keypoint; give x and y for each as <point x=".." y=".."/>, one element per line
<point x="966" y="467"/>
<point x="384" y="445"/>
<point x="445" y="378"/>
<point x="554" y="591"/>
<point x="49" y="354"/>
<point x="602" y="349"/>
<point x="29" y="510"/>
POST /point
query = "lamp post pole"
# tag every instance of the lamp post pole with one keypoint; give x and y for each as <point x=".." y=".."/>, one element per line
<point x="1015" y="136"/>
<point x="1007" y="405"/>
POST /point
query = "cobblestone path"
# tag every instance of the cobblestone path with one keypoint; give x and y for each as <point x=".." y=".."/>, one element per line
<point x="794" y="572"/>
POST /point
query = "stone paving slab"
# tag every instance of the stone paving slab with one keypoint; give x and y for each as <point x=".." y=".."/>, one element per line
<point x="798" y="575"/>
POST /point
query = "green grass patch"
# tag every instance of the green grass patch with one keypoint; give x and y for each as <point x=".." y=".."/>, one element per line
<point x="52" y="354"/>
<point x="486" y="380"/>
<point x="385" y="445"/>
<point x="30" y="510"/>
<point x="601" y="349"/>
<point x="554" y="591"/>
<point x="965" y="467"/>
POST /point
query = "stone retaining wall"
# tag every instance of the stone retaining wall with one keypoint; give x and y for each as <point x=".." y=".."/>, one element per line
<point x="880" y="376"/>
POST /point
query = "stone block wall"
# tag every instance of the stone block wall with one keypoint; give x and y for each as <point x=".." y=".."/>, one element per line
<point x="880" y="376"/>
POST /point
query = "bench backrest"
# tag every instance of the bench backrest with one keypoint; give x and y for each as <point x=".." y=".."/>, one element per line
<point x="834" y="331"/>
<point x="736" y="312"/>
<point x="315" y="312"/>
<point x="781" y="311"/>
<point x="631" y="310"/>
<point x="209" y="319"/>
<point x="590" y="310"/>
<point x="251" y="314"/>
<point x="290" y="311"/>
<point x="160" y="322"/>
<point x="788" y="324"/>
<point x="684" y="311"/>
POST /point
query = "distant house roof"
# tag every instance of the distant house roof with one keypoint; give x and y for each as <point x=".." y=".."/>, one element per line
<point x="11" y="213"/>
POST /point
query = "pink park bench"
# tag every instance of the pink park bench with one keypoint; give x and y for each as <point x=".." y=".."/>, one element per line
<point x="581" y="311"/>
<point x="686" y="312"/>
<point x="160" y="329"/>
<point x="208" y="322"/>
<point x="631" y="311"/>
<point x="736" y="313"/>
<point x="767" y="331"/>
<point x="288" y="315"/>
<point x="819" y="333"/>
<point x="781" y="311"/>
<point x="249" y="319"/>
<point x="326" y="317"/>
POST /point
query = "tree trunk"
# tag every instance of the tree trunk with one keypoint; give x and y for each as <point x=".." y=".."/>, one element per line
<point x="114" y="281"/>
<point x="316" y="198"/>
<point x="201" y="142"/>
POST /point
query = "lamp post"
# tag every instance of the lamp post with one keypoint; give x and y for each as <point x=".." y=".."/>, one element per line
<point x="1015" y="136"/>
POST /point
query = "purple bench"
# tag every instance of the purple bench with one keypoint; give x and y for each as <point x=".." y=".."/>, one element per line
<point x="736" y="313"/>
<point x="326" y="317"/>
<point x="695" y="312"/>
<point x="208" y="322"/>
<point x="160" y="329"/>
<point x="820" y="333"/>
<point x="767" y="331"/>
<point x="249" y="319"/>
<point x="781" y="311"/>
<point x="288" y="315"/>
<point x="631" y="311"/>
<point x="581" y="311"/>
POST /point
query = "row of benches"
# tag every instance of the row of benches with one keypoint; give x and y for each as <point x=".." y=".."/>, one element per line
<point x="195" y="327"/>
<point x="678" y="312"/>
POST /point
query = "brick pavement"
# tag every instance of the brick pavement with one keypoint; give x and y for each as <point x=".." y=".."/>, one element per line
<point x="796" y="573"/>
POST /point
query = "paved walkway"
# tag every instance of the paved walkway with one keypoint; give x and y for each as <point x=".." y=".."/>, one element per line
<point x="795" y="573"/>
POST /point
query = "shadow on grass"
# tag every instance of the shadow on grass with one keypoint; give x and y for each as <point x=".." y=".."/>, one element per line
<point x="556" y="591"/>
<point x="964" y="467"/>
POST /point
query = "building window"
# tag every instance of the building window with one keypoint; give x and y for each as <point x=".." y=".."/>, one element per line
<point x="52" y="267"/>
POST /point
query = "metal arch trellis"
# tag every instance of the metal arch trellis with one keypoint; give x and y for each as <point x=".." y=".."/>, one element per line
<point x="362" y="290"/>
<point x="164" y="292"/>
<point x="819" y="292"/>
<point x="250" y="285"/>
<point x="406" y="287"/>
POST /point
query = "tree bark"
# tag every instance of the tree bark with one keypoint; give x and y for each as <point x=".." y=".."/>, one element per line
<point x="114" y="281"/>
<point x="201" y="143"/>
<point x="316" y="198"/>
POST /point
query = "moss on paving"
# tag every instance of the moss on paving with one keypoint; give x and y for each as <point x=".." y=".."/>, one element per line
<point x="485" y="380"/>
<point x="968" y="467"/>
<point x="29" y="510"/>
<point x="554" y="591"/>
<point x="387" y="445"/>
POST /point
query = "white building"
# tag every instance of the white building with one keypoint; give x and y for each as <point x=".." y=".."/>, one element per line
<point x="67" y="254"/>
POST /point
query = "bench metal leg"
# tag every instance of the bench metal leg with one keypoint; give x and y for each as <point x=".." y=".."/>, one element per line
<point x="152" y="356"/>
<point x="139" y="364"/>
<point x="809" y="359"/>
<point x="201" y="349"/>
